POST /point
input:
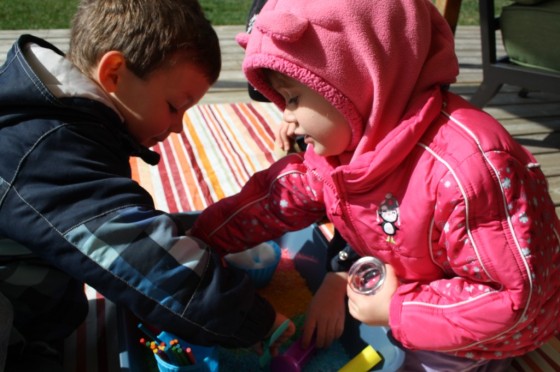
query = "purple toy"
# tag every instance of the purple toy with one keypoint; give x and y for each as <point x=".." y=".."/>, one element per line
<point x="294" y="359"/>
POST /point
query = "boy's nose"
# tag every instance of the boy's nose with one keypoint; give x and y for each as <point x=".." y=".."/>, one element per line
<point x="177" y="126"/>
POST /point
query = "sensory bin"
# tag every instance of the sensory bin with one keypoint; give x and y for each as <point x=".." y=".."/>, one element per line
<point x="298" y="274"/>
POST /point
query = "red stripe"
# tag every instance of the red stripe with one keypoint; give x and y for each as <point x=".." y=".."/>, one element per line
<point x="175" y="178"/>
<point x="101" y="335"/>
<point x="162" y="170"/>
<point x="262" y="147"/>
<point x="197" y="172"/>
<point x="262" y="120"/>
<point x="231" y="151"/>
<point x="81" y="348"/>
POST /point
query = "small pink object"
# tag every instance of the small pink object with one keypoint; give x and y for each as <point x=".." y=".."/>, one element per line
<point x="294" y="359"/>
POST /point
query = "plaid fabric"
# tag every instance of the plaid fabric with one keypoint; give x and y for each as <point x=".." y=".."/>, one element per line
<point x="48" y="303"/>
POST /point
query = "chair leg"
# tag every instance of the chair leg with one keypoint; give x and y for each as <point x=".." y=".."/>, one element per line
<point x="450" y="10"/>
<point x="485" y="92"/>
<point x="523" y="93"/>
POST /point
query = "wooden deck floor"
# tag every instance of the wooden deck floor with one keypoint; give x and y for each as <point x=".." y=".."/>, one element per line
<point x="534" y="121"/>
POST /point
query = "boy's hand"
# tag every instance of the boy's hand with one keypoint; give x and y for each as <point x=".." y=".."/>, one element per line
<point x="374" y="309"/>
<point x="326" y="313"/>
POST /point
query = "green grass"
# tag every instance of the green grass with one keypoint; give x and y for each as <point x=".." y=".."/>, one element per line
<point x="226" y="12"/>
<point x="36" y="14"/>
<point x="33" y="14"/>
<point x="469" y="11"/>
<point x="45" y="14"/>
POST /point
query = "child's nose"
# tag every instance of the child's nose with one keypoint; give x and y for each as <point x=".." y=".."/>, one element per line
<point x="289" y="116"/>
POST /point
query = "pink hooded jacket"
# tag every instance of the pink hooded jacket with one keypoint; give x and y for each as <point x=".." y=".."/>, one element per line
<point x="429" y="184"/>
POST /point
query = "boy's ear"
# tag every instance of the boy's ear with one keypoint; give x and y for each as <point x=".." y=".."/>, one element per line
<point x="110" y="70"/>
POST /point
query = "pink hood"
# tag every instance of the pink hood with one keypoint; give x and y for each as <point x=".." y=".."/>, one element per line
<point x="374" y="60"/>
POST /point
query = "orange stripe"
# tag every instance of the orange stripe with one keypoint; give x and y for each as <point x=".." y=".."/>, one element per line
<point x="188" y="184"/>
<point x="258" y="128"/>
<point x="134" y="169"/>
<point x="255" y="133"/>
<point x="244" y="167"/>
<point x="219" y="150"/>
<point x="205" y="163"/>
<point x="140" y="172"/>
<point x="199" y="189"/>
<point x="254" y="149"/>
<point x="265" y="141"/>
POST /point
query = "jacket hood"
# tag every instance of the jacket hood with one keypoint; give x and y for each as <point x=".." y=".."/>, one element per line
<point x="371" y="59"/>
<point x="38" y="81"/>
<point x="51" y="79"/>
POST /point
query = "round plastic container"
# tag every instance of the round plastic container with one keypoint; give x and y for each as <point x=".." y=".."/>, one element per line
<point x="258" y="262"/>
<point x="366" y="276"/>
<point x="205" y="360"/>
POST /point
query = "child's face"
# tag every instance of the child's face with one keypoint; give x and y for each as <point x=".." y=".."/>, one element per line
<point x="154" y="107"/>
<point x="321" y="124"/>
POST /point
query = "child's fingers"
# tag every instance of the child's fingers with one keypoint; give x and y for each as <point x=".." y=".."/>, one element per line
<point x="308" y="331"/>
<point x="285" y="135"/>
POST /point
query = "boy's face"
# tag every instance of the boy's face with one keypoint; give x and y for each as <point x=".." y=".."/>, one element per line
<point x="153" y="107"/>
<point x="321" y="124"/>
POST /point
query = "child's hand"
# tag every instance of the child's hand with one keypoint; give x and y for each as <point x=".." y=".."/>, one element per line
<point x="326" y="313"/>
<point x="374" y="309"/>
<point x="285" y="136"/>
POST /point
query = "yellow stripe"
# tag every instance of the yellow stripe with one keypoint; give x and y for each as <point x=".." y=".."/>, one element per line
<point x="203" y="158"/>
<point x="235" y="131"/>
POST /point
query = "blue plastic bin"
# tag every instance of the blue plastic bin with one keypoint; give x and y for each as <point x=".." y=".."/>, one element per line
<point x="307" y="248"/>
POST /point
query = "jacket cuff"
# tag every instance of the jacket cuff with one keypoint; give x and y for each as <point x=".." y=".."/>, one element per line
<point x="395" y="310"/>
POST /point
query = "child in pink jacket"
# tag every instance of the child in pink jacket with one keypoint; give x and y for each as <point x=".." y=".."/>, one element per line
<point x="407" y="172"/>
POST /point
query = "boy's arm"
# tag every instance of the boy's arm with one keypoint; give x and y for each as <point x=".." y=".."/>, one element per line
<point x="138" y="258"/>
<point x="73" y="204"/>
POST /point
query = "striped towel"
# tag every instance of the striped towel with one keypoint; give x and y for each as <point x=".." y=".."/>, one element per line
<point x="221" y="147"/>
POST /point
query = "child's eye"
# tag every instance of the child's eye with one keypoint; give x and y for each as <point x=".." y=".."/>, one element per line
<point x="293" y="100"/>
<point x="172" y="109"/>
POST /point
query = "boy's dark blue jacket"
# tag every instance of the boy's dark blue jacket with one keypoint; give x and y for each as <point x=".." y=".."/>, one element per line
<point x="66" y="195"/>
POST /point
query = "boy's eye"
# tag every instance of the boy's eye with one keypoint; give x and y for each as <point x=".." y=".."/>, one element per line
<point x="172" y="109"/>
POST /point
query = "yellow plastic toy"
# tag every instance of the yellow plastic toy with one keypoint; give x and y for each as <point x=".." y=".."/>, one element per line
<point x="364" y="361"/>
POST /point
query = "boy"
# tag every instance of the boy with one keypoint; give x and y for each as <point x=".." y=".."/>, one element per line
<point x="69" y="212"/>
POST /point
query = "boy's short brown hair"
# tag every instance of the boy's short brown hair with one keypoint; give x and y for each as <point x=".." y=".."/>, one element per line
<point x="150" y="34"/>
